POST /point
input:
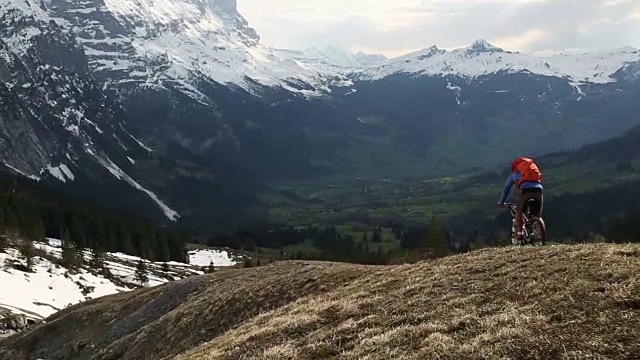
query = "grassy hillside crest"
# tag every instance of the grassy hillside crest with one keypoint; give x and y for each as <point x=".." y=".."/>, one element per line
<point x="559" y="301"/>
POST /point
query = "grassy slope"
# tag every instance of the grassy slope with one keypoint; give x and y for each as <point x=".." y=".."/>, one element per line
<point x="172" y="318"/>
<point x="569" y="302"/>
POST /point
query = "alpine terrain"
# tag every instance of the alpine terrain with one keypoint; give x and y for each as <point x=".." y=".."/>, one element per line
<point x="569" y="302"/>
<point x="350" y="197"/>
<point x="41" y="287"/>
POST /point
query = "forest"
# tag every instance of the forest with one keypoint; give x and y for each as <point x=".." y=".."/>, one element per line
<point x="34" y="211"/>
<point x="315" y="242"/>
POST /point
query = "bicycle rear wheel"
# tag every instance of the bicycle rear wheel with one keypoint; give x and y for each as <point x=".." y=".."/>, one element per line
<point x="538" y="235"/>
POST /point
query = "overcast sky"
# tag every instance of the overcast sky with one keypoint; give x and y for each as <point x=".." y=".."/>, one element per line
<point x="395" y="27"/>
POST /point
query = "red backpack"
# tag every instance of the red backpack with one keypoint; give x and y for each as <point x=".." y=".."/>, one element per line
<point x="528" y="170"/>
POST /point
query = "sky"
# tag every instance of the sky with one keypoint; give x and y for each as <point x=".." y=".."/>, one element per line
<point x="396" y="27"/>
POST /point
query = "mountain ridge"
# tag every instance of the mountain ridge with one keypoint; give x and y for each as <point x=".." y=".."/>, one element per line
<point x="482" y="58"/>
<point x="235" y="43"/>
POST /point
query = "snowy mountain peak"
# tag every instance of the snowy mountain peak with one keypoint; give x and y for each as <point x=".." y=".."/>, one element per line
<point x="481" y="46"/>
<point x="175" y="16"/>
<point x="178" y="44"/>
<point x="229" y="6"/>
<point x="483" y="58"/>
<point x="419" y="55"/>
<point x="334" y="55"/>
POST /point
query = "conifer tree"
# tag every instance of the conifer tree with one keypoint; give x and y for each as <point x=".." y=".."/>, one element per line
<point x="97" y="258"/>
<point x="376" y="237"/>
<point x="76" y="234"/>
<point x="141" y="274"/>
<point x="247" y="263"/>
<point x="27" y="252"/>
<point x="127" y="243"/>
<point x="4" y="242"/>
<point x="162" y="248"/>
<point x="70" y="257"/>
<point x="36" y="231"/>
<point x="437" y="239"/>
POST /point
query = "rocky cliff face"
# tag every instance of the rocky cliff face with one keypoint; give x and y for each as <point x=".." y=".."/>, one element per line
<point x="54" y="115"/>
<point x="57" y="123"/>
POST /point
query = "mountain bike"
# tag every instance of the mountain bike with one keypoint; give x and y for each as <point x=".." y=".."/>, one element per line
<point x="534" y="230"/>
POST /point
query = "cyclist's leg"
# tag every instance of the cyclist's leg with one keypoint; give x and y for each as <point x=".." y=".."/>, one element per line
<point x="522" y="204"/>
<point x="536" y="210"/>
<point x="537" y="205"/>
<point x="538" y="225"/>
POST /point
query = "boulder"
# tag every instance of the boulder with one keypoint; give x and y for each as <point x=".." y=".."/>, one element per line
<point x="15" y="322"/>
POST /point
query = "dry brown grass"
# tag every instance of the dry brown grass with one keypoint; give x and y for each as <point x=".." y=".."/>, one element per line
<point x="556" y="302"/>
<point x="560" y="302"/>
<point x="169" y="319"/>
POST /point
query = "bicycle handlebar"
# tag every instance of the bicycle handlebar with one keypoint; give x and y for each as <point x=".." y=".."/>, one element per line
<point x="511" y="207"/>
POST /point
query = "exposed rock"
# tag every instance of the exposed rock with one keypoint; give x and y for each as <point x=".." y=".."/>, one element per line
<point x="13" y="322"/>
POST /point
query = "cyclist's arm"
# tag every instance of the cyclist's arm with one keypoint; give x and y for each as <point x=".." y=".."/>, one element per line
<point x="507" y="187"/>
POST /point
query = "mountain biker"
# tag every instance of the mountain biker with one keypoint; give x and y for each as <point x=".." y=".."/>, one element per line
<point x="528" y="179"/>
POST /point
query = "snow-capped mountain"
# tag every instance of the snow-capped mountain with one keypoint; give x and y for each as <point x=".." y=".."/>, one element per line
<point x="482" y="58"/>
<point x="179" y="42"/>
<point x="59" y="125"/>
<point x="176" y="43"/>
<point x="629" y="72"/>
<point x="55" y="119"/>
<point x="332" y="55"/>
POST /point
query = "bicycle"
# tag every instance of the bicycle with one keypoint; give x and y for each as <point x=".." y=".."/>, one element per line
<point x="534" y="230"/>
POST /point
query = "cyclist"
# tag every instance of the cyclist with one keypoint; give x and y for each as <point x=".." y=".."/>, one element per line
<point x="528" y="179"/>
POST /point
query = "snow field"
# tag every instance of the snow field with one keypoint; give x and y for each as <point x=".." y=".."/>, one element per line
<point x="50" y="287"/>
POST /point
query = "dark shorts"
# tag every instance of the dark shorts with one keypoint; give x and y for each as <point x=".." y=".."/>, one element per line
<point x="535" y="207"/>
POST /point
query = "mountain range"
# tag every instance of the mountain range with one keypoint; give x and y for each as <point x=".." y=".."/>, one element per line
<point x="174" y="109"/>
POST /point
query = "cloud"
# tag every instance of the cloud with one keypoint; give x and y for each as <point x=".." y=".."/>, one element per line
<point x="394" y="27"/>
<point x="522" y="40"/>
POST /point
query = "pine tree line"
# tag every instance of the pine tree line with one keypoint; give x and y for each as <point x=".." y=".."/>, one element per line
<point x="34" y="212"/>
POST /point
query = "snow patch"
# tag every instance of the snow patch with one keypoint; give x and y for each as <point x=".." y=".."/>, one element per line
<point x="55" y="171"/>
<point x="121" y="175"/>
<point x="60" y="172"/>
<point x="48" y="289"/>
<point x="32" y="177"/>
<point x="206" y="256"/>
<point x="67" y="172"/>
<point x="142" y="145"/>
<point x="456" y="89"/>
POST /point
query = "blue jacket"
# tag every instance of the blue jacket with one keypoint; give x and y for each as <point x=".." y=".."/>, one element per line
<point x="513" y="177"/>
